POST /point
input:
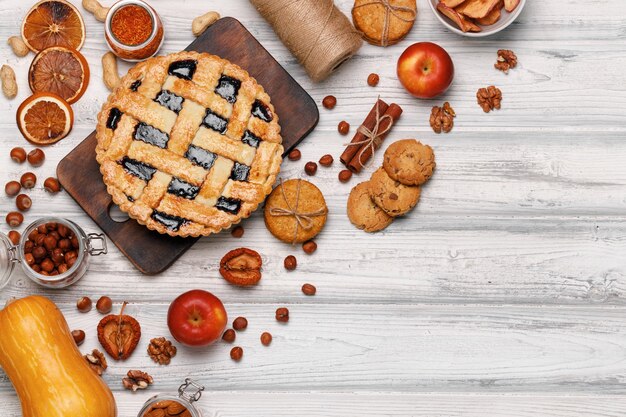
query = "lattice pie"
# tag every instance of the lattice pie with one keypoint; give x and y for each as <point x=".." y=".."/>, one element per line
<point x="188" y="144"/>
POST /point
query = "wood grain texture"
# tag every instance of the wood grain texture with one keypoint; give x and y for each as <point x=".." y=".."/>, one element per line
<point x="503" y="294"/>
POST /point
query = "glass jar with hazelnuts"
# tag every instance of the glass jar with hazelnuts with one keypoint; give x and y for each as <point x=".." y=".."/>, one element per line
<point x="53" y="252"/>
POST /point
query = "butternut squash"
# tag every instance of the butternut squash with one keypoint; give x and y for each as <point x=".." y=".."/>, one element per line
<point x="39" y="355"/>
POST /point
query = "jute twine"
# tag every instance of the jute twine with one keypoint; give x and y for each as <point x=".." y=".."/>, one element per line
<point x="389" y="11"/>
<point x="318" y="34"/>
<point x="372" y="137"/>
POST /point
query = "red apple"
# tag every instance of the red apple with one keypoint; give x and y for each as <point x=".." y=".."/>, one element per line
<point x="196" y="318"/>
<point x="425" y="70"/>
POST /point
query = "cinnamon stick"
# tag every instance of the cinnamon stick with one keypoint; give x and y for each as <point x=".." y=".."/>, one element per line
<point x="364" y="154"/>
<point x="370" y="122"/>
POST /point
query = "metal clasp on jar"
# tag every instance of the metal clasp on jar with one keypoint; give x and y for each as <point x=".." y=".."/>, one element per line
<point x="188" y="395"/>
<point x="95" y="251"/>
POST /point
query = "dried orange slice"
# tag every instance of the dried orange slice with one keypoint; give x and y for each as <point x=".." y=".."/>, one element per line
<point x="44" y="118"/>
<point x="53" y="23"/>
<point x="61" y="71"/>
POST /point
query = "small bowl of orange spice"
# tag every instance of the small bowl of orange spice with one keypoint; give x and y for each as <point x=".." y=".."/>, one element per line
<point x="133" y="30"/>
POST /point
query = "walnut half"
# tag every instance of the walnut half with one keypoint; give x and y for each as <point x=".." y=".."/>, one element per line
<point x="506" y="60"/>
<point x="489" y="98"/>
<point x="136" y="379"/>
<point x="161" y="350"/>
<point x="442" y="118"/>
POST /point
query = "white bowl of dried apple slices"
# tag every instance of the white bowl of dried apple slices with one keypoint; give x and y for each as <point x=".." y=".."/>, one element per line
<point x="477" y="18"/>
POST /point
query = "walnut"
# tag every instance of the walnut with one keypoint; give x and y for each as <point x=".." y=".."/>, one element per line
<point x="136" y="380"/>
<point x="489" y="98"/>
<point x="161" y="350"/>
<point x="506" y="60"/>
<point x="442" y="118"/>
<point x="96" y="361"/>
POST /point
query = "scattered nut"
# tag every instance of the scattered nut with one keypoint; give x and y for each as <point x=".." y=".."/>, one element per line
<point x="18" y="46"/>
<point x="28" y="180"/>
<point x="36" y="157"/>
<point x="372" y="80"/>
<point x="506" y="60"/>
<point x="326" y="160"/>
<point x="229" y="336"/>
<point x="345" y="175"/>
<point x="23" y="202"/>
<point x="96" y="361"/>
<point x="52" y="185"/>
<point x="110" y="75"/>
<point x="329" y="102"/>
<point x="294" y="155"/>
<point x="136" y="380"/>
<point x="240" y="323"/>
<point x="266" y="338"/>
<point x="15" y="237"/>
<point x="310" y="168"/>
<point x="104" y="305"/>
<point x="14" y="219"/>
<point x="84" y="304"/>
<point x="237" y="232"/>
<point x="489" y="98"/>
<point x="442" y="118"/>
<point x="12" y="188"/>
<point x="201" y="23"/>
<point x="309" y="247"/>
<point x="79" y="337"/>
<point x="9" y="85"/>
<point x="161" y="350"/>
<point x="309" y="289"/>
<point x="236" y="353"/>
<point x="94" y="7"/>
<point x="290" y="263"/>
<point x="282" y="314"/>
<point x="343" y="127"/>
<point x="18" y="155"/>
<point x="241" y="267"/>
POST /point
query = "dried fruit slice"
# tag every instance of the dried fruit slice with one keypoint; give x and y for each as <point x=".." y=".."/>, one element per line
<point x="241" y="267"/>
<point x="452" y="3"/>
<point x="44" y="118"/>
<point x="119" y="334"/>
<point x="61" y="71"/>
<point x="477" y="8"/>
<point x="464" y="24"/>
<point x="53" y="23"/>
<point x="492" y="17"/>
<point x="510" y="5"/>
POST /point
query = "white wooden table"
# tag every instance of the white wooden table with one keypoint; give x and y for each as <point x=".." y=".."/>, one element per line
<point x="502" y="294"/>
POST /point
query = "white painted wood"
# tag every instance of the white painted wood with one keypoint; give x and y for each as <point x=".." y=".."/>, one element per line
<point x="503" y="294"/>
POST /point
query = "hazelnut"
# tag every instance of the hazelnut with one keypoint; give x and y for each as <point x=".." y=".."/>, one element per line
<point x="236" y="353"/>
<point x="104" y="305"/>
<point x="57" y="256"/>
<point x="47" y="265"/>
<point x="84" y="304"/>
<point x="240" y="323"/>
<point x="39" y="253"/>
<point x="229" y="336"/>
<point x="18" y="155"/>
<point x="79" y="337"/>
<point x="36" y="157"/>
<point x="14" y="219"/>
<point x="309" y="289"/>
<point x="345" y="175"/>
<point x="14" y="237"/>
<point x="290" y="263"/>
<point x="282" y="314"/>
<point x="32" y="235"/>
<point x="295" y="155"/>
<point x="266" y="338"/>
<point x="237" y="232"/>
<point x="74" y="241"/>
<point x="52" y="226"/>
<point x="39" y="239"/>
<point x="310" y="168"/>
<point x="42" y="228"/>
<point x="372" y="80"/>
<point x="63" y="268"/>
<point x="28" y="180"/>
<point x="64" y="244"/>
<point x="36" y="268"/>
<point x="329" y="102"/>
<point x="326" y="160"/>
<point x="23" y="202"/>
<point x="52" y="185"/>
<point x="50" y="242"/>
<point x="12" y="188"/>
<point x="309" y="247"/>
<point x="28" y="246"/>
<point x="29" y="258"/>
<point x="62" y="230"/>
<point x="70" y="258"/>
<point x="343" y="127"/>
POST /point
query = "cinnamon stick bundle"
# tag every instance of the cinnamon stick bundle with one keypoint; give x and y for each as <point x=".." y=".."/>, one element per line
<point x="369" y="123"/>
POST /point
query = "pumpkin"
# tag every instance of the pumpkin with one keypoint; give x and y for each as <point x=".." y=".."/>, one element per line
<point x="39" y="355"/>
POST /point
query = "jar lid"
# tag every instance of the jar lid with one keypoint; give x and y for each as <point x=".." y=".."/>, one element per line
<point x="8" y="259"/>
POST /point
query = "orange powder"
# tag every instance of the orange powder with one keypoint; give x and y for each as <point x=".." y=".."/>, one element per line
<point x="131" y="25"/>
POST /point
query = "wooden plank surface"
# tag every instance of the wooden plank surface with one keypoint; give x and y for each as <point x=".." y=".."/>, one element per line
<point x="503" y="294"/>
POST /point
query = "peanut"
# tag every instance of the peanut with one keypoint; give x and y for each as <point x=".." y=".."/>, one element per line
<point x="19" y="47"/>
<point x="9" y="85"/>
<point x="110" y="75"/>
<point x="94" y="7"/>
<point x="201" y="23"/>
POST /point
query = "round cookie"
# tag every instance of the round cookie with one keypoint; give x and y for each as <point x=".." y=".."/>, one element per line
<point x="284" y="200"/>
<point x="393" y="197"/>
<point x="409" y="162"/>
<point x="369" y="18"/>
<point x="364" y="213"/>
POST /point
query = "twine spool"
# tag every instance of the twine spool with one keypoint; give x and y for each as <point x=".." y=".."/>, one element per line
<point x="318" y="34"/>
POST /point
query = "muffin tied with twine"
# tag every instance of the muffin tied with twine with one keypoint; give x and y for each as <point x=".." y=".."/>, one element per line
<point x="295" y="211"/>
<point x="384" y="22"/>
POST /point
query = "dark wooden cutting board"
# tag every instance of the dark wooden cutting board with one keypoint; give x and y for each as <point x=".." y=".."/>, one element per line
<point x="79" y="173"/>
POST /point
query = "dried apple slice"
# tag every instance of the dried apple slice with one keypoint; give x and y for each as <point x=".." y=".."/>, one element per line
<point x="464" y="24"/>
<point x="452" y="3"/>
<point x="477" y="9"/>
<point x="492" y="17"/>
<point x="510" y="5"/>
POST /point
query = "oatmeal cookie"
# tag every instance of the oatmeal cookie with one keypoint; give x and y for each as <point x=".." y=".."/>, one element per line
<point x="364" y="213"/>
<point x="409" y="162"/>
<point x="392" y="196"/>
<point x="369" y="19"/>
